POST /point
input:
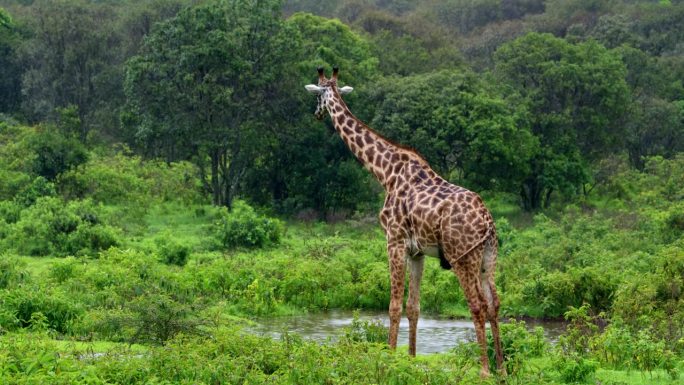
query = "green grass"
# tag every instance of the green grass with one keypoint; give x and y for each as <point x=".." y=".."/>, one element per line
<point x="634" y="377"/>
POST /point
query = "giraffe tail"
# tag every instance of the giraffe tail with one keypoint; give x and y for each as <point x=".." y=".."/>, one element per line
<point x="443" y="261"/>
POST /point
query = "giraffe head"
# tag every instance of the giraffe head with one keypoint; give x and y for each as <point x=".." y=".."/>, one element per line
<point x="325" y="91"/>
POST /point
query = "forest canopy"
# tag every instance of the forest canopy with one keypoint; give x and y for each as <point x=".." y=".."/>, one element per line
<point x="527" y="97"/>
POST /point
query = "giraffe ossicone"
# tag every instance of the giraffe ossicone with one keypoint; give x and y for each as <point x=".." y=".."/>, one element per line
<point x="423" y="214"/>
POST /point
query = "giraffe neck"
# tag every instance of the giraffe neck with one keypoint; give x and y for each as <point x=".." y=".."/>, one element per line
<point x="381" y="157"/>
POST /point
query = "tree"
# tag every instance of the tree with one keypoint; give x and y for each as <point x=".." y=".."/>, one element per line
<point x="206" y="84"/>
<point x="67" y="62"/>
<point x="465" y="132"/>
<point x="576" y="96"/>
<point x="10" y="86"/>
<point x="305" y="165"/>
<point x="654" y="127"/>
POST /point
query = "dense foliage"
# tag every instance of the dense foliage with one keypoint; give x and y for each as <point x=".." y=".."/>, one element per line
<point x="147" y="147"/>
<point x="218" y="83"/>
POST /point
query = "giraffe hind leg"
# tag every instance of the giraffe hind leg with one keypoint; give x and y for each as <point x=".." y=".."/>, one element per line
<point x="468" y="271"/>
<point x="492" y="298"/>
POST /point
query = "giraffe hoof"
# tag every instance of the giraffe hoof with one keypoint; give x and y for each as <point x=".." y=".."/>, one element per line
<point x="484" y="373"/>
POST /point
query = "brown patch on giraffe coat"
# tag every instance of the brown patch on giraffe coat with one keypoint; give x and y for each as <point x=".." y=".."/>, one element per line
<point x="370" y="152"/>
<point x="397" y="168"/>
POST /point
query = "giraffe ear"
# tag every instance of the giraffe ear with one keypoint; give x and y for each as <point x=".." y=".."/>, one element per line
<point x="314" y="89"/>
<point x="346" y="90"/>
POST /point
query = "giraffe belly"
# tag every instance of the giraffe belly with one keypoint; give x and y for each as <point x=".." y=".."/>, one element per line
<point x="431" y="251"/>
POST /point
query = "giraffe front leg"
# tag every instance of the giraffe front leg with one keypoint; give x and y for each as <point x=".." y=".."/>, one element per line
<point x="413" y="303"/>
<point x="397" y="267"/>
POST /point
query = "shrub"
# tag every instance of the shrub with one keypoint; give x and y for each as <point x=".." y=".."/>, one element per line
<point x="157" y="318"/>
<point x="10" y="211"/>
<point x="50" y="227"/>
<point x="63" y="270"/>
<point x="59" y="310"/>
<point x="366" y="331"/>
<point x="243" y="227"/>
<point x="8" y="319"/>
<point x="55" y="153"/>
<point x="12" y="272"/>
<point x="126" y="179"/>
<point x="518" y="346"/>
<point x="171" y="251"/>
<point x="557" y="291"/>
<point x="89" y="239"/>
<point x="574" y="368"/>
<point x="40" y="187"/>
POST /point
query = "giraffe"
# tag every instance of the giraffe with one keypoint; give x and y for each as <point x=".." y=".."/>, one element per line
<point x="423" y="214"/>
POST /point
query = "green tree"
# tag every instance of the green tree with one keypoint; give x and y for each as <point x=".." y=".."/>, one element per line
<point x="576" y="96"/>
<point x="67" y="62"/>
<point x="654" y="127"/>
<point x="206" y="87"/>
<point x="10" y="85"/>
<point x="463" y="130"/>
<point x="306" y="165"/>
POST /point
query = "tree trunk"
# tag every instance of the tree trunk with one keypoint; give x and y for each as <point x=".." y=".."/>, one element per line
<point x="215" y="178"/>
<point x="531" y="193"/>
<point x="547" y="199"/>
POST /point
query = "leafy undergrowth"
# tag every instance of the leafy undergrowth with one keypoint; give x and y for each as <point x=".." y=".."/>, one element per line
<point x="228" y="355"/>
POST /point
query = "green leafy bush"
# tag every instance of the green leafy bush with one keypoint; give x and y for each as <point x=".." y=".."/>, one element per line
<point x="58" y="309"/>
<point x="366" y="331"/>
<point x="63" y="270"/>
<point x="40" y="187"/>
<point x="10" y="211"/>
<point x="51" y="227"/>
<point x="156" y="318"/>
<point x="575" y="369"/>
<point x="518" y="345"/>
<point x="12" y="272"/>
<point x="243" y="227"/>
<point x="55" y="152"/>
<point x="171" y="251"/>
<point x="130" y="179"/>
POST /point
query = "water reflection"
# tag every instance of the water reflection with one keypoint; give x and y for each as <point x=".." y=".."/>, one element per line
<point x="434" y="334"/>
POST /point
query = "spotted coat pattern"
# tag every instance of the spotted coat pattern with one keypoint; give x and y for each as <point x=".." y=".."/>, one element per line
<point x="423" y="214"/>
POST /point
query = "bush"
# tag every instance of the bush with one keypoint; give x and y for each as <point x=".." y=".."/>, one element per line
<point x="574" y="368"/>
<point x="55" y="153"/>
<point x="366" y="331"/>
<point x="243" y="227"/>
<point x="10" y="211"/>
<point x="64" y="270"/>
<point x="171" y="251"/>
<point x="40" y="187"/>
<point x="50" y="227"/>
<point x="59" y="310"/>
<point x="130" y="179"/>
<point x="156" y="318"/>
<point x="12" y="272"/>
<point x="557" y="291"/>
<point x="518" y="346"/>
